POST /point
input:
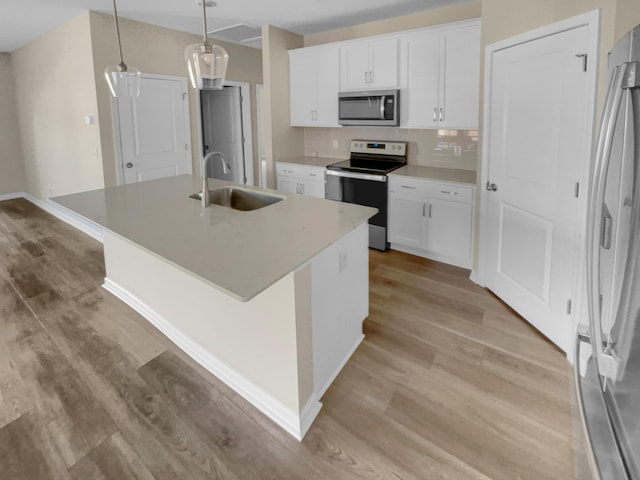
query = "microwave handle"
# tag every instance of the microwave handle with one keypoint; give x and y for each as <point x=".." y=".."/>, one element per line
<point x="382" y="102"/>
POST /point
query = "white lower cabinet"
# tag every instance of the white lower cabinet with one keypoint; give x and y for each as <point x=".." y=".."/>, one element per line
<point x="431" y="219"/>
<point x="301" y="179"/>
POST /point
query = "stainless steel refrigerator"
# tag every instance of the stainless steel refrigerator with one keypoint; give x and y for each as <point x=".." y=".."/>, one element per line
<point x="608" y="348"/>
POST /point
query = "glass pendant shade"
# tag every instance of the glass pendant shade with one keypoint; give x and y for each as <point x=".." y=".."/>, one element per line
<point x="207" y="65"/>
<point x="123" y="83"/>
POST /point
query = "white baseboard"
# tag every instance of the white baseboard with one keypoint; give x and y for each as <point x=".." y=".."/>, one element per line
<point x="295" y="424"/>
<point x="86" y="226"/>
<point x="474" y="277"/>
<point x="12" y="196"/>
<point x="333" y="376"/>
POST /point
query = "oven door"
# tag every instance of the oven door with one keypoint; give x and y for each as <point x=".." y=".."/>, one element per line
<point x="362" y="189"/>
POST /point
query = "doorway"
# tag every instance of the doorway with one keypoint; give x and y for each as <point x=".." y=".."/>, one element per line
<point x="226" y="128"/>
<point x="538" y="121"/>
<point x="152" y="130"/>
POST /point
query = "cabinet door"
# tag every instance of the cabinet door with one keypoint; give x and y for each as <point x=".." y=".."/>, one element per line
<point x="288" y="185"/>
<point x="449" y="231"/>
<point x="313" y="189"/>
<point x="328" y="79"/>
<point x="420" y="74"/>
<point x="383" y="64"/>
<point x="407" y="221"/>
<point x="303" y="87"/>
<point x="354" y="66"/>
<point x="460" y="77"/>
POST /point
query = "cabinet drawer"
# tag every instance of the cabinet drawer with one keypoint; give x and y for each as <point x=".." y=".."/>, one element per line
<point x="443" y="191"/>
<point x="300" y="171"/>
<point x="425" y="188"/>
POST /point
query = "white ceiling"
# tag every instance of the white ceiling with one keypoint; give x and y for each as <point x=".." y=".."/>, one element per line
<point x="24" y="20"/>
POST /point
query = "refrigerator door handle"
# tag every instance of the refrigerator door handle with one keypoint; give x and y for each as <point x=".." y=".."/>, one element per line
<point x="606" y="360"/>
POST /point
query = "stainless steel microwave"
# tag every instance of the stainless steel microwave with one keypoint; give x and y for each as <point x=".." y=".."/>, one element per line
<point x="372" y="107"/>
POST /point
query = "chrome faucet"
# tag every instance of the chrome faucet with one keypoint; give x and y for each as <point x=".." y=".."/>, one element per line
<point x="205" y="185"/>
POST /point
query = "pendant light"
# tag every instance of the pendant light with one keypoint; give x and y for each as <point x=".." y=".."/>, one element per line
<point x="123" y="81"/>
<point x="207" y="63"/>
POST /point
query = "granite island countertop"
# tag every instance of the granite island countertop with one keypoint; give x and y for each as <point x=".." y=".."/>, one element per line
<point x="240" y="253"/>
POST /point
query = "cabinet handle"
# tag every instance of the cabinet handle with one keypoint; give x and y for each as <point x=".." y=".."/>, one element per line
<point x="447" y="192"/>
<point x="313" y="174"/>
<point x="435" y="112"/>
<point x="430" y="205"/>
<point x="423" y="209"/>
<point x="366" y="77"/>
<point x="407" y="186"/>
<point x="301" y="188"/>
<point x="371" y="77"/>
<point x="441" y="115"/>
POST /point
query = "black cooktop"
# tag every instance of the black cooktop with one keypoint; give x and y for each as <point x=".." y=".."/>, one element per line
<point x="367" y="165"/>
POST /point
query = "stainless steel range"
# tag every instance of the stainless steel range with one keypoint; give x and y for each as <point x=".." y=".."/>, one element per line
<point x="363" y="180"/>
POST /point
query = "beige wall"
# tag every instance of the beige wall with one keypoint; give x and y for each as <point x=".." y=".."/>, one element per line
<point x="11" y="165"/>
<point x="55" y="89"/>
<point x="160" y="51"/>
<point x="279" y="139"/>
<point x="627" y="17"/>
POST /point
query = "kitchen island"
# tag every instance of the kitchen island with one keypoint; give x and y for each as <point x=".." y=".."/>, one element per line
<point x="271" y="301"/>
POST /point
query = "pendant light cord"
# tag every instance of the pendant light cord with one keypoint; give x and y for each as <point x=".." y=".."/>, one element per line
<point x="204" y="21"/>
<point x="122" y="65"/>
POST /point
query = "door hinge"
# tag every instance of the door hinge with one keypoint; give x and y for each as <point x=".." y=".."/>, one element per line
<point x="241" y="99"/>
<point x="569" y="307"/>
<point x="584" y="57"/>
<point x="186" y="146"/>
<point x="243" y="140"/>
<point x="576" y="191"/>
<point x="184" y="95"/>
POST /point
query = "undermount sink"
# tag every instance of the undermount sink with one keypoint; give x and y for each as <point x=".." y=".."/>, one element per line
<point x="239" y="198"/>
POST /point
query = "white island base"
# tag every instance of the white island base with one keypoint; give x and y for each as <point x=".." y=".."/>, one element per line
<point x="280" y="350"/>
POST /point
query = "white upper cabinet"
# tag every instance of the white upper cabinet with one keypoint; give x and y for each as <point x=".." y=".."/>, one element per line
<point x="437" y="70"/>
<point x="314" y="86"/>
<point x="440" y="74"/>
<point x="370" y="64"/>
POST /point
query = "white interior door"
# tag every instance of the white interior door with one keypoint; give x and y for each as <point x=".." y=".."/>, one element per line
<point x="222" y="132"/>
<point x="153" y="130"/>
<point x="538" y="99"/>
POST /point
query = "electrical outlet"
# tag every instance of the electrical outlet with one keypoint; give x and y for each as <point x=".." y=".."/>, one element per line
<point x="335" y="143"/>
<point x="342" y="261"/>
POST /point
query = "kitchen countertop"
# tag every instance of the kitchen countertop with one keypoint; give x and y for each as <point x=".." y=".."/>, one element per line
<point x="240" y="253"/>
<point x="448" y="175"/>
<point x="311" y="161"/>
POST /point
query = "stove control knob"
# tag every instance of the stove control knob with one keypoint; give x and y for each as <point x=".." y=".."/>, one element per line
<point x="393" y="147"/>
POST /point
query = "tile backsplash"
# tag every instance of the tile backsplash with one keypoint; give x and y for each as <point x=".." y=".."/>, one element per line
<point x="434" y="148"/>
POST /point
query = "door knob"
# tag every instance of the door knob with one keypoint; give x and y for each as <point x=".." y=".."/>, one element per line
<point x="492" y="187"/>
<point x="206" y="147"/>
<point x="129" y="165"/>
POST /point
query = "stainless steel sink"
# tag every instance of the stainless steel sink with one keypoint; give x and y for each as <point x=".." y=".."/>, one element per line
<point x="239" y="198"/>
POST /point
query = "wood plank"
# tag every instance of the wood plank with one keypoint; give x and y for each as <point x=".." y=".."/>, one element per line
<point x="224" y="426"/>
<point x="114" y="320"/>
<point x="167" y="446"/>
<point x="27" y="452"/>
<point x="113" y="459"/>
<point x="77" y="421"/>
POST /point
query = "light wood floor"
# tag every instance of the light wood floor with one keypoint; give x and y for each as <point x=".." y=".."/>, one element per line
<point x="448" y="384"/>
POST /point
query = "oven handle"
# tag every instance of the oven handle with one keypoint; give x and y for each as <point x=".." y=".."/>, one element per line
<point x="360" y="176"/>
